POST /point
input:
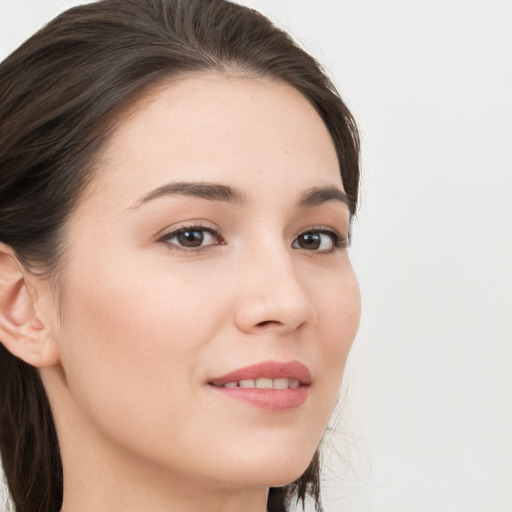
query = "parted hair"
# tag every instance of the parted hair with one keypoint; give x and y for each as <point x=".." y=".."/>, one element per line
<point x="61" y="94"/>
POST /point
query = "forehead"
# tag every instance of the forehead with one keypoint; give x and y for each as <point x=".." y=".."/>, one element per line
<point x="213" y="127"/>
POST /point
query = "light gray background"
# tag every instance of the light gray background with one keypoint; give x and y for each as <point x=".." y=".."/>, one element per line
<point x="426" y="424"/>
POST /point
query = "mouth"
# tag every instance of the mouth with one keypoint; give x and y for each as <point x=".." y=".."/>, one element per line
<point x="262" y="383"/>
<point x="271" y="385"/>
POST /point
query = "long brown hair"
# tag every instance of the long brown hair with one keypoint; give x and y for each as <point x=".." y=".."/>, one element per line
<point x="61" y="94"/>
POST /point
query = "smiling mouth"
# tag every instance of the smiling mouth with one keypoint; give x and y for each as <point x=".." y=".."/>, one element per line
<point x="262" y="383"/>
<point x="271" y="385"/>
<point x="266" y="375"/>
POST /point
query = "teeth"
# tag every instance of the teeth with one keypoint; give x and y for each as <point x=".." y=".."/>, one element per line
<point x="281" y="383"/>
<point x="264" y="383"/>
<point x="294" y="384"/>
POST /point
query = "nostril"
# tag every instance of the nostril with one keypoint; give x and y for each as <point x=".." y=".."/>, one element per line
<point x="267" y="322"/>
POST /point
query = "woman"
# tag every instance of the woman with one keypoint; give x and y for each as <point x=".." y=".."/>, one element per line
<point x="177" y="303"/>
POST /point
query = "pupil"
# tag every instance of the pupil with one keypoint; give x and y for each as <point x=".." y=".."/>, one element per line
<point x="191" y="238"/>
<point x="310" y="241"/>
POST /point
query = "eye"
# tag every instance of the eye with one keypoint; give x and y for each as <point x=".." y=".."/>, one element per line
<point x="320" y="240"/>
<point x="192" y="237"/>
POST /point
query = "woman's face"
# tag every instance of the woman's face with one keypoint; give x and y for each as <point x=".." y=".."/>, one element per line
<point x="211" y="240"/>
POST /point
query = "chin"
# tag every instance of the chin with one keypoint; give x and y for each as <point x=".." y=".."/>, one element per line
<point x="272" y="470"/>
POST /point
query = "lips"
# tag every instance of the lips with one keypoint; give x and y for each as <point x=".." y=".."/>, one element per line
<point x="270" y="385"/>
<point x="267" y="370"/>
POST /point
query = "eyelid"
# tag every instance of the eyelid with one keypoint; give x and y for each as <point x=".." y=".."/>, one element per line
<point x="340" y="241"/>
<point x="187" y="224"/>
<point x="172" y="231"/>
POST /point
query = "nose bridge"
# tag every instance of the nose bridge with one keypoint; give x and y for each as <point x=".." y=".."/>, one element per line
<point x="271" y="294"/>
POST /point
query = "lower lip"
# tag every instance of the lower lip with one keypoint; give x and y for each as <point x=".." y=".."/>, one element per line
<point x="269" y="399"/>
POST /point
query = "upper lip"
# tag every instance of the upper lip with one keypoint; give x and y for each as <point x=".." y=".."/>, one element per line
<point x="269" y="370"/>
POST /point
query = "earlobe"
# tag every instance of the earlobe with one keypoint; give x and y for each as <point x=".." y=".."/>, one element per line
<point x="22" y="331"/>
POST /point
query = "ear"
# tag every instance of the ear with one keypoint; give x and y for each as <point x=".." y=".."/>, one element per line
<point x="22" y="330"/>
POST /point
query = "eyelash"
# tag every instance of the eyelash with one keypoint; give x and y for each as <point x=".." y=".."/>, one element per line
<point x="339" y="241"/>
<point x="215" y="232"/>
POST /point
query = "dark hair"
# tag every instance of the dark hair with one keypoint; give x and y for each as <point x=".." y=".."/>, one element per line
<point x="61" y="94"/>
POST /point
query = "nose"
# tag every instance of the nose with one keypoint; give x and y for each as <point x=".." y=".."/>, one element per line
<point x="271" y="295"/>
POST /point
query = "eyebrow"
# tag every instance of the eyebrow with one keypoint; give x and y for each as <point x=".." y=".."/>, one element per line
<point x="318" y="195"/>
<point x="314" y="196"/>
<point x="203" y="190"/>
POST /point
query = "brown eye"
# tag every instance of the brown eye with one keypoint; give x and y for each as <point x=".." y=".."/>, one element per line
<point x="311" y="241"/>
<point x="190" y="238"/>
<point x="194" y="237"/>
<point x="320" y="241"/>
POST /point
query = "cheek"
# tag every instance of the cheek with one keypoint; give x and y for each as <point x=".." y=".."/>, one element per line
<point x="342" y="314"/>
<point x="339" y="311"/>
<point x="132" y="344"/>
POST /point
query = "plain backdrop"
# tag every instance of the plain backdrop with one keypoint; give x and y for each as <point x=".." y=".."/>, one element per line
<point x="426" y="420"/>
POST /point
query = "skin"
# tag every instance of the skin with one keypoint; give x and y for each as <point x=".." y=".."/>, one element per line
<point x="143" y="324"/>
